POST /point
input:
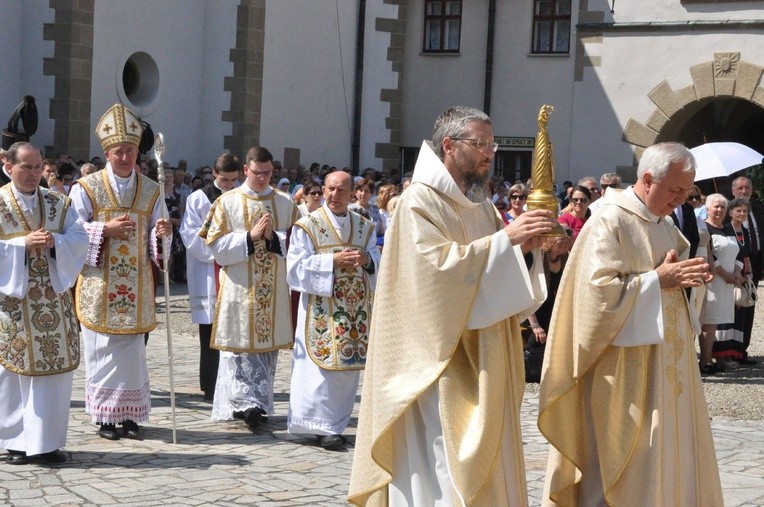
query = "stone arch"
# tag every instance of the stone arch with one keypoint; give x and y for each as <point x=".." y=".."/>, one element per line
<point x="726" y="76"/>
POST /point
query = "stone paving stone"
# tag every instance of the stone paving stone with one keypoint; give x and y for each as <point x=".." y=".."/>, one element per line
<point x="224" y="464"/>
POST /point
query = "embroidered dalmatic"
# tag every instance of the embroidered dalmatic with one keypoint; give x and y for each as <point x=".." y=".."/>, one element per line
<point x="337" y="326"/>
<point x="333" y="319"/>
<point x="621" y="401"/>
<point x="253" y="318"/>
<point x="115" y="296"/>
<point x="252" y="312"/>
<point x="445" y="348"/>
<point x="39" y="338"/>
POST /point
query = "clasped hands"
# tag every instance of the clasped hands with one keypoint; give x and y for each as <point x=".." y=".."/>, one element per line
<point x="263" y="228"/>
<point x="349" y="258"/>
<point x="122" y="227"/>
<point x="39" y="239"/>
<point x="673" y="273"/>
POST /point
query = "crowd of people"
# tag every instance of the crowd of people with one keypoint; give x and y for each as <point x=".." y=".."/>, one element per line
<point x="279" y="258"/>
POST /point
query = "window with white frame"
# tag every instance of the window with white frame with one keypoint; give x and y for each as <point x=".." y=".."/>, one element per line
<point x="551" y="27"/>
<point x="442" y="26"/>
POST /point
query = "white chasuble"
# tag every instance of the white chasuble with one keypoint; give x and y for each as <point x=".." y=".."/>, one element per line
<point x="38" y="329"/>
<point x="253" y="309"/>
<point x="115" y="295"/>
<point x="621" y="401"/>
<point x="337" y="325"/>
<point x="445" y="347"/>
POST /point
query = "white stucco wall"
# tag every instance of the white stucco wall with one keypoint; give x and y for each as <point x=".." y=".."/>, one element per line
<point x="173" y="33"/>
<point x="432" y="83"/>
<point x="675" y="10"/>
<point x="615" y="92"/>
<point x="377" y="75"/>
<point x="523" y="82"/>
<point x="308" y="79"/>
<point x="219" y="38"/>
<point x="23" y="61"/>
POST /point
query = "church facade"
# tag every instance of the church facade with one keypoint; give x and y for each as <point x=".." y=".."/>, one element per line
<point x="359" y="82"/>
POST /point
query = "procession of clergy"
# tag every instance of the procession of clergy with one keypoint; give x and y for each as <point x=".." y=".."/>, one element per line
<point x="620" y="404"/>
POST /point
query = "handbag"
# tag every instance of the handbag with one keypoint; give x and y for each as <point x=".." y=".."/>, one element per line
<point x="745" y="294"/>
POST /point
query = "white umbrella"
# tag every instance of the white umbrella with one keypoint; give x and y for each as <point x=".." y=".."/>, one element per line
<point x="717" y="160"/>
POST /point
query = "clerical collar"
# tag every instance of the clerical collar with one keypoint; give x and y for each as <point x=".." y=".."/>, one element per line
<point x="33" y="192"/>
<point x="344" y="215"/>
<point x="263" y="193"/>
<point x="121" y="179"/>
<point x="653" y="218"/>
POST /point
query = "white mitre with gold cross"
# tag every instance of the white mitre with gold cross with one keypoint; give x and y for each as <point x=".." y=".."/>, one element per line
<point x="118" y="125"/>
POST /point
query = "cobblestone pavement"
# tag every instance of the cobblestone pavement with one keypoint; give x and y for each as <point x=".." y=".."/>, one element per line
<point x="226" y="464"/>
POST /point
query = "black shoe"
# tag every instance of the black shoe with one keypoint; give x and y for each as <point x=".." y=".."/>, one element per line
<point x="109" y="432"/>
<point x="747" y="361"/>
<point x="708" y="369"/>
<point x="263" y="415"/>
<point x="56" y="456"/>
<point x="331" y="442"/>
<point x="130" y="429"/>
<point x="17" y="458"/>
<point x="253" y="418"/>
<point x="208" y="397"/>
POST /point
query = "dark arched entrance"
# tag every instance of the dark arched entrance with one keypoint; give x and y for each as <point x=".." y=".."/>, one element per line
<point x="717" y="119"/>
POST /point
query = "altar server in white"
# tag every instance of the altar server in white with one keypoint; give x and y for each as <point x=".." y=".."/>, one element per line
<point x="202" y="284"/>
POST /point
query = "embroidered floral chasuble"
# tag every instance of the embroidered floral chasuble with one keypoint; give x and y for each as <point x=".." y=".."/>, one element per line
<point x="337" y="328"/>
<point x="38" y="333"/>
<point x="253" y="309"/>
<point x="117" y="296"/>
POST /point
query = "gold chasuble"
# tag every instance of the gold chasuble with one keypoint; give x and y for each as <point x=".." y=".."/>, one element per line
<point x="253" y="309"/>
<point x="624" y="413"/>
<point x="117" y="296"/>
<point x="38" y="333"/>
<point x="336" y="328"/>
<point x="433" y="265"/>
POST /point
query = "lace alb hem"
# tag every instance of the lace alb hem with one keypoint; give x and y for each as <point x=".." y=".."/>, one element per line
<point x="244" y="381"/>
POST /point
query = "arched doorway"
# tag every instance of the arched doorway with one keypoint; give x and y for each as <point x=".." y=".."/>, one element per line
<point x="717" y="119"/>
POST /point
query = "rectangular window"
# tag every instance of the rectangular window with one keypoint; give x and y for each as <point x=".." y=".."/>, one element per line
<point x="551" y="26"/>
<point x="442" y="26"/>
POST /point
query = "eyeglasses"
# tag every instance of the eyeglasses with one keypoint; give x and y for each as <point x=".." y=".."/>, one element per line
<point x="516" y="197"/>
<point x="261" y="174"/>
<point x="693" y="197"/>
<point x="480" y="144"/>
<point x="593" y="189"/>
<point x="579" y="200"/>
<point x="315" y="193"/>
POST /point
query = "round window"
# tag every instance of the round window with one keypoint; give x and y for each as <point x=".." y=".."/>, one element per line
<point x="140" y="79"/>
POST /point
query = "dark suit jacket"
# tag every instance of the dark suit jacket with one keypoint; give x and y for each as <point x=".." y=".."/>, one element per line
<point x="757" y="210"/>
<point x="689" y="227"/>
<point x="4" y="179"/>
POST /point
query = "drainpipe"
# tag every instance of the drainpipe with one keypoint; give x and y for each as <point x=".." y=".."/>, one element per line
<point x="358" y="89"/>
<point x="489" y="57"/>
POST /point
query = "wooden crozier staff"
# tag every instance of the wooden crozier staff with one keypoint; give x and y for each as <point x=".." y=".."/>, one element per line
<point x="542" y="172"/>
<point x="158" y="153"/>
